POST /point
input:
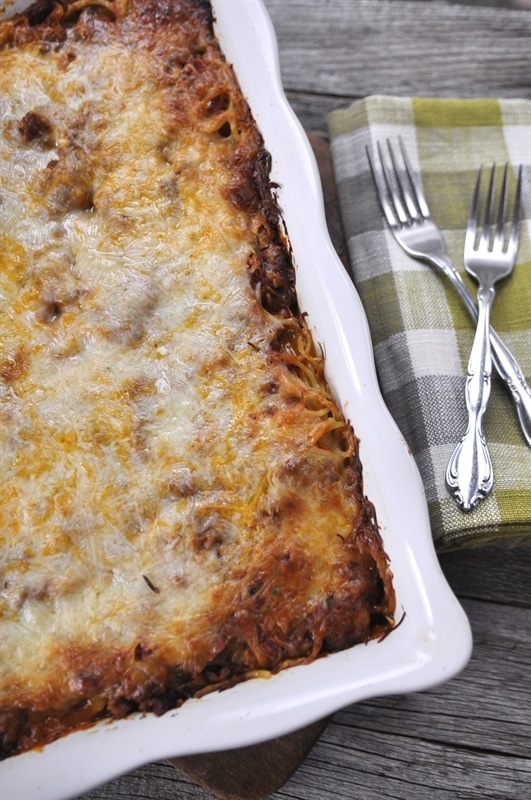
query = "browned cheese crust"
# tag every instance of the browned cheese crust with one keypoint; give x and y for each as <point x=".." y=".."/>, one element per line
<point x="183" y="503"/>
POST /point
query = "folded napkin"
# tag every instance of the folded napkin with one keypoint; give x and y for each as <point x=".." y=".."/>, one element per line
<point x="421" y="332"/>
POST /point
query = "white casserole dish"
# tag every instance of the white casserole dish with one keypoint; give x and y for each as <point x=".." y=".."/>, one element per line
<point x="433" y="642"/>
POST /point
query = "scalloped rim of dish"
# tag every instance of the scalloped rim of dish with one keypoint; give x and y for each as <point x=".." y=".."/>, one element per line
<point x="434" y="641"/>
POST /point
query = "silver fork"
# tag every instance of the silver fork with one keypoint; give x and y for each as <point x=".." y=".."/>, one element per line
<point x="489" y="260"/>
<point x="406" y="211"/>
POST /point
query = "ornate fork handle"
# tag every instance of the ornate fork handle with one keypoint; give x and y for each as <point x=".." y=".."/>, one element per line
<point x="469" y="473"/>
<point x="502" y="358"/>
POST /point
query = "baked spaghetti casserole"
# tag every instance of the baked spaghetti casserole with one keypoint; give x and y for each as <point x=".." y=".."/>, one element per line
<point x="182" y="502"/>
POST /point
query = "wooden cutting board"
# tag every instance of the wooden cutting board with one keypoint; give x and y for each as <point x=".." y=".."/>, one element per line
<point x="251" y="773"/>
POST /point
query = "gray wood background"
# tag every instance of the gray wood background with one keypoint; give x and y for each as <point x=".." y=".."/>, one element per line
<point x="469" y="739"/>
<point x="334" y="51"/>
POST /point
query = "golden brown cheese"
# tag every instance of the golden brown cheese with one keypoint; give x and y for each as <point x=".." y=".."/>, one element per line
<point x="182" y="503"/>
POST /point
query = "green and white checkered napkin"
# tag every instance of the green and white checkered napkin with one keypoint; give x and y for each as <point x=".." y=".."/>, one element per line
<point x="421" y="333"/>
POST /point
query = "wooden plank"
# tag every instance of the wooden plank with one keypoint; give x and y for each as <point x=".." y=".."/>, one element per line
<point x="405" y="769"/>
<point x="500" y="573"/>
<point x="159" y="781"/>
<point x="492" y="3"/>
<point x="402" y="47"/>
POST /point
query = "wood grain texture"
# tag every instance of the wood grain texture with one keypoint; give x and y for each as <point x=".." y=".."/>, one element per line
<point x="334" y="52"/>
<point x="361" y="47"/>
<point x="498" y="573"/>
<point x="470" y="738"/>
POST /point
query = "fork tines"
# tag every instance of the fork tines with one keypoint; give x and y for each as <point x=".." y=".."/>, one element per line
<point x="400" y="191"/>
<point x="496" y="241"/>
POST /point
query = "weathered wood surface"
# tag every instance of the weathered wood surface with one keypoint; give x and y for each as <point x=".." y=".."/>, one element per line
<point x="333" y="52"/>
<point x="470" y="738"/>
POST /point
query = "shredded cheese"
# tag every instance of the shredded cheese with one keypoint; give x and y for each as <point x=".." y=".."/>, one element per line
<point x="155" y="434"/>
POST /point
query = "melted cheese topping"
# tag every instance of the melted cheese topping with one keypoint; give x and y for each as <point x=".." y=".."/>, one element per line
<point x="170" y="452"/>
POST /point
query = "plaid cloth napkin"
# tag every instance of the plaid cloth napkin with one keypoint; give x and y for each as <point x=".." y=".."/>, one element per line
<point x="421" y="333"/>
